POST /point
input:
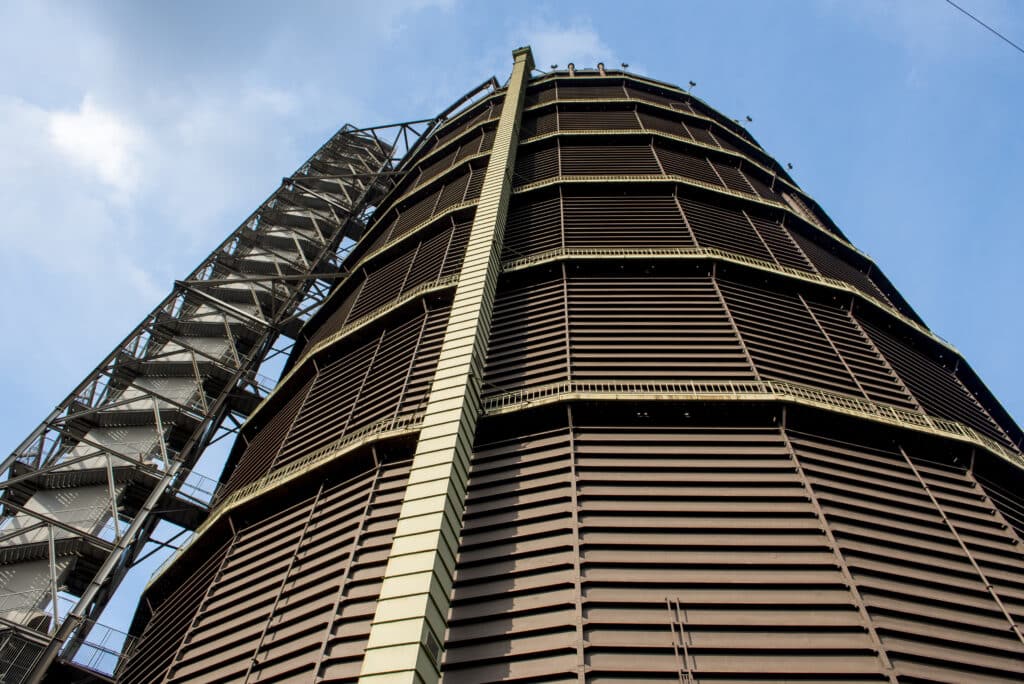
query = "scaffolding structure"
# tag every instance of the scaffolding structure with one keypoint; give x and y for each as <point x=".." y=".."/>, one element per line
<point x="82" y="495"/>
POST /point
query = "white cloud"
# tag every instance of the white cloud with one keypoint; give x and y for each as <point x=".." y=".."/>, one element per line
<point x="100" y="142"/>
<point x="555" y="44"/>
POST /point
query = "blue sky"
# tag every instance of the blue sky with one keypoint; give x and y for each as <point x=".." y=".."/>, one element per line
<point x="134" y="136"/>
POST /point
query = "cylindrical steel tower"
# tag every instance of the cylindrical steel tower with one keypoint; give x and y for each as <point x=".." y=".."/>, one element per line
<point x="605" y="397"/>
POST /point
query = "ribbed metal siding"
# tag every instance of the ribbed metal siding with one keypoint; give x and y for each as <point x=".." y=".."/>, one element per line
<point x="294" y="596"/>
<point x="611" y="328"/>
<point x="623" y="541"/>
<point x="934" y="614"/>
<point x="154" y="653"/>
<point x="365" y="385"/>
<point x="934" y="384"/>
<point x="436" y="255"/>
<point x="261" y="452"/>
<point x="601" y="549"/>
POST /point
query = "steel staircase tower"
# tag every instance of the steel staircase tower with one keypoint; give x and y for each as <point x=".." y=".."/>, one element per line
<point x="82" y="494"/>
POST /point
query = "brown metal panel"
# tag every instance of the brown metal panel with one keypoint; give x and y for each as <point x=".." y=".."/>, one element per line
<point x="579" y="158"/>
<point x="835" y="266"/>
<point x="686" y="163"/>
<point x="539" y="123"/>
<point x="657" y="328"/>
<point x="282" y="622"/>
<point x="537" y="162"/>
<point x="573" y="119"/>
<point x="261" y="451"/>
<point x="534" y="225"/>
<point x="624" y="220"/>
<point x="596" y="89"/>
<point x="658" y="120"/>
<point x="784" y="339"/>
<point x="724" y="228"/>
<point x="932" y="382"/>
<point x="622" y="540"/>
<point x="780" y="243"/>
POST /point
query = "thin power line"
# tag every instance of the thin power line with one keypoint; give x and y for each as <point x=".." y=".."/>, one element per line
<point x="1017" y="47"/>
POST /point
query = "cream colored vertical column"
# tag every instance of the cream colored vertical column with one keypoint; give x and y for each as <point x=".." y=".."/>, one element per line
<point x="408" y="628"/>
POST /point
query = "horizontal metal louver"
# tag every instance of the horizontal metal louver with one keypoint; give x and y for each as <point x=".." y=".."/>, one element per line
<point x="539" y="123"/>
<point x="674" y="101"/>
<point x="616" y="160"/>
<point x="364" y="385"/>
<point x="619" y="329"/>
<point x="453" y="192"/>
<point x="540" y="95"/>
<point x="263" y="448"/>
<point x="490" y="110"/>
<point x="435" y="255"/>
<point x="661" y="122"/>
<point x="294" y="595"/>
<point x="1009" y="503"/>
<point x="874" y="376"/>
<point x="761" y="187"/>
<point x="705" y="535"/>
<point x="723" y="228"/>
<point x="476" y="182"/>
<point x="154" y="653"/>
<point x="594" y="90"/>
<point x="456" y="249"/>
<point x="435" y="167"/>
<point x="702" y="534"/>
<point x="537" y="163"/>
<point x="528" y="337"/>
<point x="934" y="386"/>
<point x="382" y="284"/>
<point x="781" y="244"/>
<point x="653" y="328"/>
<point x="534" y="225"/>
<point x="429" y="260"/>
<point x="610" y="119"/>
<point x="784" y="339"/>
<point x="626" y="220"/>
<point x="688" y="165"/>
<point x="733" y="177"/>
<point x="324" y="415"/>
<point x="414" y="213"/>
<point x="701" y="133"/>
<point x="834" y="266"/>
<point x="930" y="607"/>
<point x="513" y="600"/>
<point x="467" y="148"/>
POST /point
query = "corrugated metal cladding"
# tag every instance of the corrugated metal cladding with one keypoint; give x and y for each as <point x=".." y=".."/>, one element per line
<point x="640" y="543"/>
<point x="640" y="507"/>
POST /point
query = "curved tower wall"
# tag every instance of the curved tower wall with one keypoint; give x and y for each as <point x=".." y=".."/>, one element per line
<point x="700" y="437"/>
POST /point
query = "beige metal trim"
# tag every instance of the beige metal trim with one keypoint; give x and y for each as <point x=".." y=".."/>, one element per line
<point x="378" y="313"/>
<point x="407" y="634"/>
<point x="653" y="131"/>
<point x="375" y="432"/>
<point x="751" y="390"/>
<point x="577" y="253"/>
<point x="683" y="180"/>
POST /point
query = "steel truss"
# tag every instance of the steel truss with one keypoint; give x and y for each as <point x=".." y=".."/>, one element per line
<point x="82" y="495"/>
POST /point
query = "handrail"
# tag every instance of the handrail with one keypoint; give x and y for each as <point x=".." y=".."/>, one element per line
<point x="752" y="390"/>
<point x="559" y="253"/>
<point x="347" y="443"/>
